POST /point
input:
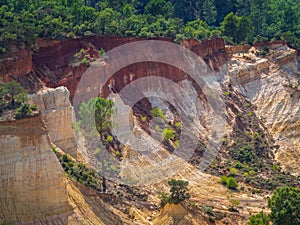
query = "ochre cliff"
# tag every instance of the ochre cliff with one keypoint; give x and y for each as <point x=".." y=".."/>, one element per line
<point x="57" y="113"/>
<point x="32" y="182"/>
<point x="50" y="65"/>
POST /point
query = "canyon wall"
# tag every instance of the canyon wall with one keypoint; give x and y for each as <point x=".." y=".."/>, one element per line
<point x="50" y="65"/>
<point x="32" y="182"/>
<point x="274" y="89"/>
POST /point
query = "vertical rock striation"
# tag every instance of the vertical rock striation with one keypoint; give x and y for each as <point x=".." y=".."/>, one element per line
<point x="32" y="182"/>
<point x="57" y="113"/>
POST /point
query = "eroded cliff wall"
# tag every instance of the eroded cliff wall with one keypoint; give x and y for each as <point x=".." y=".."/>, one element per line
<point x="32" y="182"/>
<point x="50" y="66"/>
<point x="57" y="113"/>
<point x="272" y="85"/>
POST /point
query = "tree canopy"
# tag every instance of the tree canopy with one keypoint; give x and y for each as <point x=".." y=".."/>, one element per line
<point x="285" y="206"/>
<point x="24" y="21"/>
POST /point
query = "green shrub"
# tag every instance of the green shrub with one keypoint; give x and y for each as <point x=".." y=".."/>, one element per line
<point x="251" y="172"/>
<point x="176" y="143"/>
<point x="208" y="210"/>
<point x="102" y="52"/>
<point x="224" y="180"/>
<point x="179" y="191"/>
<point x="178" y="124"/>
<point x="143" y="118"/>
<point x="84" y="61"/>
<point x="157" y="112"/>
<point x="97" y="152"/>
<point x="168" y="134"/>
<point x="285" y="206"/>
<point x="232" y="183"/>
<point x="259" y="219"/>
<point x="227" y="93"/>
<point x="109" y="138"/>
<point x="54" y="150"/>
<point x="164" y="198"/>
<point x="81" y="173"/>
<point x="233" y="172"/>
<point x="23" y="111"/>
<point x="275" y="167"/>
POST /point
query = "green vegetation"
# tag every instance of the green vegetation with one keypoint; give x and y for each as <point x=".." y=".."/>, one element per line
<point x="178" y="124"/>
<point x="259" y="219"/>
<point x="14" y="97"/>
<point x="232" y="183"/>
<point x="157" y="112"/>
<point x="285" y="208"/>
<point x="80" y="172"/>
<point x="103" y="110"/>
<point x="240" y="29"/>
<point x="23" y="111"/>
<point x="248" y="151"/>
<point x="229" y="182"/>
<point x="143" y="118"/>
<point x="168" y="134"/>
<point x="178" y="192"/>
<point x="236" y="20"/>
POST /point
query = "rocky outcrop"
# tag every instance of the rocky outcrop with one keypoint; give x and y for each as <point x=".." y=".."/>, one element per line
<point x="57" y="113"/>
<point x="32" y="182"/>
<point x="212" y="51"/>
<point x="281" y="44"/>
<point x="233" y="49"/>
<point x="276" y="93"/>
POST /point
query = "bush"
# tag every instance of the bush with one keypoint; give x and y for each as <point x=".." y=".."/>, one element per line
<point x="168" y="134"/>
<point x="233" y="172"/>
<point x="208" y="210"/>
<point x="179" y="191"/>
<point x="143" y="118"/>
<point x="84" y="61"/>
<point x="17" y="94"/>
<point x="231" y="183"/>
<point x="164" y="198"/>
<point x="157" y="112"/>
<point x="224" y="180"/>
<point x="81" y="173"/>
<point x="178" y="124"/>
<point x="259" y="219"/>
<point x="23" y="111"/>
<point x="285" y="206"/>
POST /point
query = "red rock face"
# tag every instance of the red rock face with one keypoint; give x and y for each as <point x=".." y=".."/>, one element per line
<point x="50" y="66"/>
<point x="212" y="51"/>
<point x="16" y="63"/>
<point x="139" y="70"/>
<point x="272" y="44"/>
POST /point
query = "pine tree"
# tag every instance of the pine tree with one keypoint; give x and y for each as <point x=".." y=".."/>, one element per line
<point x="209" y="11"/>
